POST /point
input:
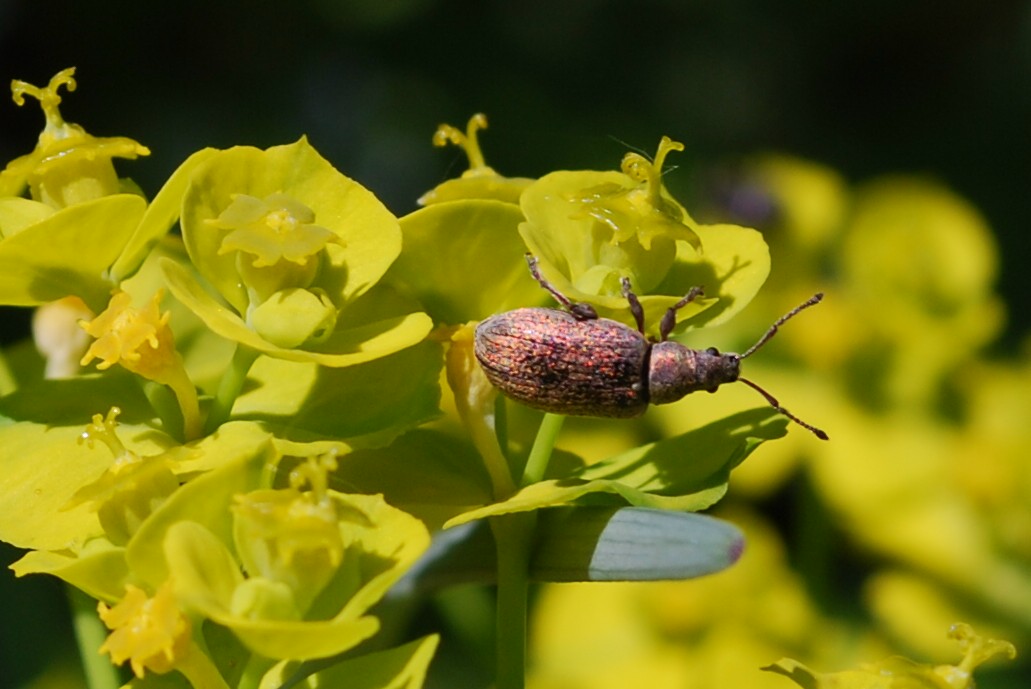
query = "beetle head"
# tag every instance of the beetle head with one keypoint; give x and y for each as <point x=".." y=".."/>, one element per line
<point x="675" y="371"/>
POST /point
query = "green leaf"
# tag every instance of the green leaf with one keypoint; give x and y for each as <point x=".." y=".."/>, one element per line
<point x="584" y="544"/>
<point x="631" y="544"/>
<point x="376" y="400"/>
<point x="241" y="452"/>
<point x="580" y="220"/>
<point x="69" y="252"/>
<point x="464" y="260"/>
<point x="688" y="472"/>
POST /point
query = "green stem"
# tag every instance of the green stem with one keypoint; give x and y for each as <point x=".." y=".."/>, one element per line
<point x="501" y="425"/>
<point x="200" y="670"/>
<point x="513" y="536"/>
<point x="229" y="387"/>
<point x="540" y="453"/>
<point x="485" y="440"/>
<point x="89" y="635"/>
<point x="163" y="401"/>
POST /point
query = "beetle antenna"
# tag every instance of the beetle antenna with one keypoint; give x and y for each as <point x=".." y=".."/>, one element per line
<point x="812" y="301"/>
<point x="776" y="405"/>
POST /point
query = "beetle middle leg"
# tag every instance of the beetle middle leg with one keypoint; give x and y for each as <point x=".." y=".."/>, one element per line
<point x="669" y="321"/>
<point x="582" y="311"/>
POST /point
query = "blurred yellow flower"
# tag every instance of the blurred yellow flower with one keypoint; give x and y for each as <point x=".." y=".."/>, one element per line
<point x="151" y="633"/>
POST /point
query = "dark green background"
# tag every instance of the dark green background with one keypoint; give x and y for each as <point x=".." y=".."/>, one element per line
<point x="868" y="87"/>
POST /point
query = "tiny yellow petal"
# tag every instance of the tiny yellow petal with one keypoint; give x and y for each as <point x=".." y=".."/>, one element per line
<point x="151" y="633"/>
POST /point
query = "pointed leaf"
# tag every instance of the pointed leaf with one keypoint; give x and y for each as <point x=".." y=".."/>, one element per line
<point x="688" y="472"/>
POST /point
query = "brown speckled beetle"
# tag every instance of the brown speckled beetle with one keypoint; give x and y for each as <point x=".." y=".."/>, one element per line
<point x="573" y="362"/>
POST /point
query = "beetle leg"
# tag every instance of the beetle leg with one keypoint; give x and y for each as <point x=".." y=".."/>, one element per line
<point x="669" y="321"/>
<point x="581" y="310"/>
<point x="635" y="304"/>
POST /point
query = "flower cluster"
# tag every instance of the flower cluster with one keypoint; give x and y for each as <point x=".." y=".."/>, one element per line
<point x="297" y="445"/>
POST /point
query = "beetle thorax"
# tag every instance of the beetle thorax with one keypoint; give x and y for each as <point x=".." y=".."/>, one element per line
<point x="675" y="370"/>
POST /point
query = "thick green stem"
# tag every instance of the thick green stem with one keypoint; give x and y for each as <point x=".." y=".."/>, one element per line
<point x="229" y="388"/>
<point x="89" y="635"/>
<point x="513" y="535"/>
<point x="540" y="453"/>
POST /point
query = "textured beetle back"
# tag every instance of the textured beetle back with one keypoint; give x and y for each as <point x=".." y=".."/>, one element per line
<point x="550" y="360"/>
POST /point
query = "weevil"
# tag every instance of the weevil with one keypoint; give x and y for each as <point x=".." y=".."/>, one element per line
<point x="575" y="363"/>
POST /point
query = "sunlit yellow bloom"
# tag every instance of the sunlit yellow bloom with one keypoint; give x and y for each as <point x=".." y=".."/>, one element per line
<point x="141" y="341"/>
<point x="68" y="165"/>
<point x="151" y="633"/>
<point x="138" y="339"/>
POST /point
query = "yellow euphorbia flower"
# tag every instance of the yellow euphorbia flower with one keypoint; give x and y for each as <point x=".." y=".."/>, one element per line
<point x="292" y="537"/>
<point x="278" y="243"/>
<point x="68" y="165"/>
<point x="141" y="341"/>
<point x="151" y="633"/>
<point x="480" y="181"/>
<point x="131" y="488"/>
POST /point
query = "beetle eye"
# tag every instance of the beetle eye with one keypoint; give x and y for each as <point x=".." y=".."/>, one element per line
<point x="713" y="351"/>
